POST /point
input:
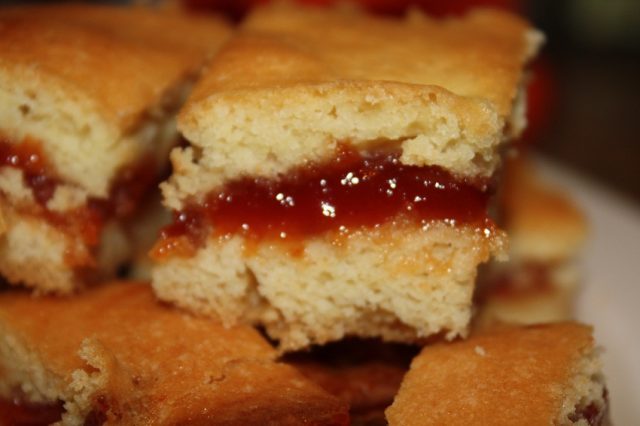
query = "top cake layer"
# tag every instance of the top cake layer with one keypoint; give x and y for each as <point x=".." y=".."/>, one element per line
<point x="295" y="82"/>
<point x="96" y="87"/>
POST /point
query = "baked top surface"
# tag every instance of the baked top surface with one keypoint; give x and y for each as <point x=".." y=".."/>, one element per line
<point x="116" y="58"/>
<point x="479" y="56"/>
<point x="166" y="364"/>
<point x="489" y="375"/>
<point x="56" y="327"/>
<point x="156" y="26"/>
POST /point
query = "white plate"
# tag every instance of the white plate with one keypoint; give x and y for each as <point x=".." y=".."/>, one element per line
<point x="610" y="299"/>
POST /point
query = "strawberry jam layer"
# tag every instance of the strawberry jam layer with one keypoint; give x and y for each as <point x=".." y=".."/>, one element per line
<point x="350" y="192"/>
<point x="88" y="220"/>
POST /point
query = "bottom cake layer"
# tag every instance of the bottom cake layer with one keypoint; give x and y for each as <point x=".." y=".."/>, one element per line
<point x="401" y="282"/>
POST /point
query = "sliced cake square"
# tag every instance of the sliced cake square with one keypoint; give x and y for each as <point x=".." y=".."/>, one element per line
<point x="88" y="97"/>
<point x="546" y="232"/>
<point x="338" y="173"/>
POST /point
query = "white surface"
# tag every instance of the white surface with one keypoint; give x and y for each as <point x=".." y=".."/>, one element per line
<point x="610" y="298"/>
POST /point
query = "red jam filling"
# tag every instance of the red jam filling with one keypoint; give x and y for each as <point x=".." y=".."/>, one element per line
<point x="14" y="412"/>
<point x="351" y="191"/>
<point x="88" y="220"/>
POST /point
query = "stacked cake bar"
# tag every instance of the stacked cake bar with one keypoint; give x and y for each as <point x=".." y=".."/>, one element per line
<point x="546" y="231"/>
<point x="338" y="173"/>
<point x="87" y="104"/>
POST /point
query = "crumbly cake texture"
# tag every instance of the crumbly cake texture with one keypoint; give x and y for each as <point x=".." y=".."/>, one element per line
<point x="546" y="233"/>
<point x="296" y="81"/>
<point x="115" y="354"/>
<point x="545" y="374"/>
<point x="98" y="89"/>
<point x="400" y="282"/>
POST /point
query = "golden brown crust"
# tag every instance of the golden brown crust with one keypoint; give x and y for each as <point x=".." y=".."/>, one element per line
<point x="91" y="64"/>
<point x="505" y="376"/>
<point x="480" y="56"/>
<point x="155" y="365"/>
<point x="160" y="28"/>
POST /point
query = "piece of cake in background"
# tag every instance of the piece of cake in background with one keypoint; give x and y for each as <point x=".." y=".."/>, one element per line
<point x="88" y="98"/>
<point x="546" y="231"/>
<point x="543" y="374"/>
<point x="364" y="374"/>
<point x="336" y="182"/>
<point x="113" y="355"/>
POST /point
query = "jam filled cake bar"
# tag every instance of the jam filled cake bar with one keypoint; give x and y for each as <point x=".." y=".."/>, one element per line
<point x="114" y="356"/>
<point x="537" y="375"/>
<point x="338" y="173"/>
<point x="88" y="97"/>
<point x="546" y="232"/>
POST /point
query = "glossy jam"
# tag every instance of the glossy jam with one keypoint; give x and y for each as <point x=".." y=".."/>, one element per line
<point x="17" y="413"/>
<point x="351" y="191"/>
<point x="28" y="157"/>
<point x="88" y="220"/>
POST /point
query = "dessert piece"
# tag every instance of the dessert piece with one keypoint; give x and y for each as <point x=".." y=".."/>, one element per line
<point x="113" y="355"/>
<point x="336" y="181"/>
<point x="546" y="231"/>
<point x="87" y="110"/>
<point x="365" y="374"/>
<point x="545" y="374"/>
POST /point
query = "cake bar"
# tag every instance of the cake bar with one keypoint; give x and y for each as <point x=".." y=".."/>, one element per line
<point x="546" y="231"/>
<point x="538" y="375"/>
<point x="337" y="175"/>
<point x="88" y="97"/>
<point x="113" y="355"/>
